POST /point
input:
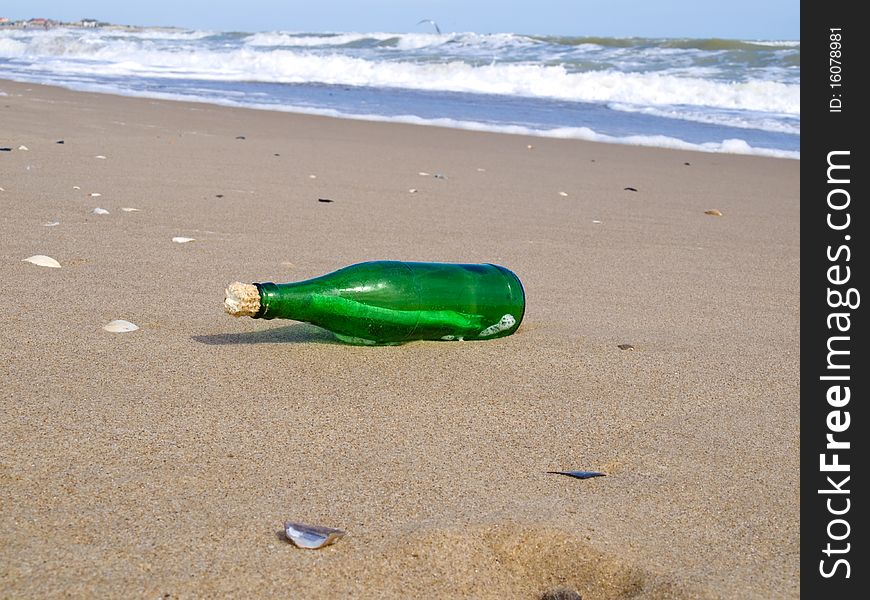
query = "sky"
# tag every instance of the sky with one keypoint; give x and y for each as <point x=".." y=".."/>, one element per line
<point x="734" y="19"/>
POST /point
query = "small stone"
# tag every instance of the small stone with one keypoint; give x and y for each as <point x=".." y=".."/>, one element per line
<point x="561" y="594"/>
<point x="713" y="212"/>
<point x="625" y="347"/>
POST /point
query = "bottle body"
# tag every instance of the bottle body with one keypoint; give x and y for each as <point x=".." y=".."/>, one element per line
<point x="384" y="302"/>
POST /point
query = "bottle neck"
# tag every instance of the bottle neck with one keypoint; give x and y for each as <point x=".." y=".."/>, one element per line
<point x="284" y="301"/>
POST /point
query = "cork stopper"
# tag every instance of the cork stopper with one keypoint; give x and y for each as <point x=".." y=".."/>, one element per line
<point x="242" y="300"/>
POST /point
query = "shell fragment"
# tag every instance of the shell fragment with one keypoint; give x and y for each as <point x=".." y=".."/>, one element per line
<point x="578" y="474"/>
<point x="311" y="536"/>
<point x="42" y="260"/>
<point x="120" y="326"/>
<point x="182" y="240"/>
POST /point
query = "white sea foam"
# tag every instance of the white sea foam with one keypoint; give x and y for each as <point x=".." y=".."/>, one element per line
<point x="674" y="81"/>
<point x="525" y="80"/>
<point x="258" y="59"/>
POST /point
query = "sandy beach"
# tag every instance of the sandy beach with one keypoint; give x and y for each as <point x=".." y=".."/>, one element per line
<point x="161" y="463"/>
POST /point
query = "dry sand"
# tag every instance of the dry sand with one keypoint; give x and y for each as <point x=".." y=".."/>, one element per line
<point x="162" y="462"/>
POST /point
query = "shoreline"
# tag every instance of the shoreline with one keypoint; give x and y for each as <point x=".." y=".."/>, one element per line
<point x="164" y="460"/>
<point x="737" y="146"/>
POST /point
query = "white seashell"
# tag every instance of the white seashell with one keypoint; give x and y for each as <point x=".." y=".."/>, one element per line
<point x="182" y="240"/>
<point x="100" y="211"/>
<point x="51" y="224"/>
<point x="563" y="194"/>
<point x="75" y="187"/>
<point x="2" y="190"/>
<point x="312" y="176"/>
<point x="100" y="156"/>
<point x="424" y="174"/>
<point x="130" y="209"/>
<point x="311" y="536"/>
<point x="23" y="147"/>
<point x="597" y="222"/>
<point x="42" y="260"/>
<point x="120" y="326"/>
<point x="481" y="170"/>
<point x="95" y="194"/>
<point x="413" y="190"/>
<point x="530" y="147"/>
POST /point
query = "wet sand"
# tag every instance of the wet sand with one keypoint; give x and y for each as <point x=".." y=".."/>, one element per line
<point x="163" y="462"/>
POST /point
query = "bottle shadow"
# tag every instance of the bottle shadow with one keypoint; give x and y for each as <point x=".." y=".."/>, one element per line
<point x="301" y="333"/>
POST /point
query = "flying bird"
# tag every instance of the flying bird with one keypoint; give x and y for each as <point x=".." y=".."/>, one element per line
<point x="438" y="29"/>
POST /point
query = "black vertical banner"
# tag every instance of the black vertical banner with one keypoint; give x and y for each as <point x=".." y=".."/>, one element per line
<point x="834" y="226"/>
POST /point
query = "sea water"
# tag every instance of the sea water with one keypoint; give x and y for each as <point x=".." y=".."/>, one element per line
<point x="736" y="96"/>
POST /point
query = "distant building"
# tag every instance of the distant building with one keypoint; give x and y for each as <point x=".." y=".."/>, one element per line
<point x="4" y="20"/>
<point x="39" y="22"/>
<point x="90" y="22"/>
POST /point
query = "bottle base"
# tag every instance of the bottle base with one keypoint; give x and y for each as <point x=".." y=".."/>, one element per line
<point x="358" y="341"/>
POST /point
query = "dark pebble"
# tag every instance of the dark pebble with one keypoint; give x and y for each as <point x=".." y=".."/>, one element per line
<point x="240" y="137"/>
<point x="325" y="200"/>
<point x="561" y="594"/>
<point x="59" y="142"/>
<point x="5" y="149"/>
<point x="218" y="195"/>
<point x="630" y="189"/>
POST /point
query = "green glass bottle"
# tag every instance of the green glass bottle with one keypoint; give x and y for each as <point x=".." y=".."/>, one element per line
<point x="390" y="302"/>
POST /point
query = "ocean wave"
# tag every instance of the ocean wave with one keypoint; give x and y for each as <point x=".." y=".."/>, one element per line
<point x="126" y="58"/>
<point x="762" y="121"/>
<point x="702" y="89"/>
